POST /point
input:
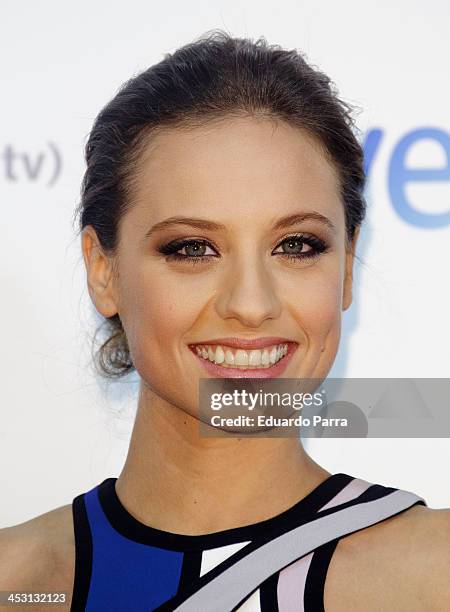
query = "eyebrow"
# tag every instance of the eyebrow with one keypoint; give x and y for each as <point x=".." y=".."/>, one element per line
<point x="212" y="226"/>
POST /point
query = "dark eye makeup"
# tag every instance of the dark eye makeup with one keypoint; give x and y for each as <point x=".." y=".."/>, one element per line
<point x="195" y="249"/>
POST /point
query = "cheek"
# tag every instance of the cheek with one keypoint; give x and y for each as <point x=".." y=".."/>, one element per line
<point x="157" y="312"/>
<point x="323" y="310"/>
<point x="149" y="312"/>
<point x="318" y="301"/>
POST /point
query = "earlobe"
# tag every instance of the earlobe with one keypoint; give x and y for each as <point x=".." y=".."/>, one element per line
<point x="347" y="295"/>
<point x="99" y="270"/>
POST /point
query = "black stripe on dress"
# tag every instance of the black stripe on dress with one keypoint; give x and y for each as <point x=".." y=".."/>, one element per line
<point x="268" y="600"/>
<point x="313" y="598"/>
<point x="83" y="555"/>
<point x="190" y="570"/>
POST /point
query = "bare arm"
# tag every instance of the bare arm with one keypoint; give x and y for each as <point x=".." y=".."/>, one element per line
<point x="39" y="556"/>
<point x="435" y="535"/>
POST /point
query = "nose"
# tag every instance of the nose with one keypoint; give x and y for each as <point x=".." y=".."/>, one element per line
<point x="248" y="294"/>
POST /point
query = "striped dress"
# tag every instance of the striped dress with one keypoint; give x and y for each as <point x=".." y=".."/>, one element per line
<point x="276" y="565"/>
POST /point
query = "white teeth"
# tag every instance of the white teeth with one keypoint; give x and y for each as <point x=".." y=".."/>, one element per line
<point x="220" y="355"/>
<point x="254" y="358"/>
<point x="240" y="358"/>
<point x="229" y="358"/>
<point x="265" y="357"/>
<point x="274" y="355"/>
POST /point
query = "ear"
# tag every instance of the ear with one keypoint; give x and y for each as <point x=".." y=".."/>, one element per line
<point x="100" y="273"/>
<point x="347" y="295"/>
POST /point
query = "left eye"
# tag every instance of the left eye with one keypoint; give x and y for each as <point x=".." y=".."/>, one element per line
<point x="294" y="246"/>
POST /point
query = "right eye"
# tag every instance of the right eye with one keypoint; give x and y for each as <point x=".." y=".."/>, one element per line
<point x="193" y="249"/>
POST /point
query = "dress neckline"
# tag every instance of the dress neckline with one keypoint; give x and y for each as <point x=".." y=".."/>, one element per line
<point x="130" y="527"/>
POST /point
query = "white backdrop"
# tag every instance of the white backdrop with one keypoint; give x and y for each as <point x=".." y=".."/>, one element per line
<point x="61" y="429"/>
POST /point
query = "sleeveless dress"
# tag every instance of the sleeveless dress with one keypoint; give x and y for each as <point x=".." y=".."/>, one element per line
<point x="276" y="565"/>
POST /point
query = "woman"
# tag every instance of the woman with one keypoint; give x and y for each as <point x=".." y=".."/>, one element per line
<point x="220" y="213"/>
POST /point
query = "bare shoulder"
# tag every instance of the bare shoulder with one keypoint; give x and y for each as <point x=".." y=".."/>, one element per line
<point x="39" y="554"/>
<point x="401" y="563"/>
<point x="433" y="537"/>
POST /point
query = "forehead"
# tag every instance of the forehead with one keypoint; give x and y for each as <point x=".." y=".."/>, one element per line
<point x="249" y="169"/>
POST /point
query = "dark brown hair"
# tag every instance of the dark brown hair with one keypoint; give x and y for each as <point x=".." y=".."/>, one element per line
<point x="213" y="77"/>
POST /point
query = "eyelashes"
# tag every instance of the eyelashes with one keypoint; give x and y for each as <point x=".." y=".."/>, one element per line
<point x="195" y="249"/>
<point x="296" y="243"/>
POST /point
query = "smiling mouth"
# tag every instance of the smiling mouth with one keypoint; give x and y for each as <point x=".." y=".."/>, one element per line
<point x="230" y="357"/>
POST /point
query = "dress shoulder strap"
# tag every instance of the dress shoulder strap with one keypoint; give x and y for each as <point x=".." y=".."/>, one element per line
<point x="229" y="586"/>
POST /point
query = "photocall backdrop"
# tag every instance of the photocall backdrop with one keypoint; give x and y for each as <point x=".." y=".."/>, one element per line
<point x="62" y="430"/>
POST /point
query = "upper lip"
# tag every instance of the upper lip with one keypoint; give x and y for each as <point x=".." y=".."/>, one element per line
<point x="246" y="343"/>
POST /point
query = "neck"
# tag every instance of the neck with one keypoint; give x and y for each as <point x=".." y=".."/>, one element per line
<point x="177" y="481"/>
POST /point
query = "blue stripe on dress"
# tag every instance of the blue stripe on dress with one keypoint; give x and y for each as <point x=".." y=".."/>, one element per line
<point x="127" y="575"/>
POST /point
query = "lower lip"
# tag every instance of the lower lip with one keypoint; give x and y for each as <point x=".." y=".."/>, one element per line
<point x="271" y="372"/>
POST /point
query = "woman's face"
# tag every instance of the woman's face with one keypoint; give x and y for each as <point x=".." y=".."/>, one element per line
<point x="237" y="231"/>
